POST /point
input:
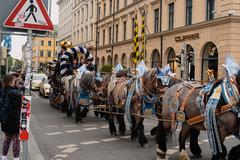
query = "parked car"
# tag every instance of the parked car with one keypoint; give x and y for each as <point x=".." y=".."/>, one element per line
<point x="44" y="88"/>
<point x="36" y="79"/>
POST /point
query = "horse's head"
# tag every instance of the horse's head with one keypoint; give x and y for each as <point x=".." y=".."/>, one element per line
<point x="101" y="86"/>
<point x="151" y="82"/>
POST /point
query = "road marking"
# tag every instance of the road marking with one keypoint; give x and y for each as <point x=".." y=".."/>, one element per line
<point x="61" y="156"/>
<point x="110" y="139"/>
<point x="90" y="129"/>
<point x="51" y="126"/>
<point x="125" y="137"/>
<point x="103" y="127"/>
<point x="67" y="146"/>
<point x="73" y="131"/>
<point x="69" y="125"/>
<point x="55" y="133"/>
<point x="89" y="125"/>
<point x="89" y="142"/>
<point x="69" y="150"/>
<point x="171" y="151"/>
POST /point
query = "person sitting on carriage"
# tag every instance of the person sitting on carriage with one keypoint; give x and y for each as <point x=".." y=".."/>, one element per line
<point x="75" y="64"/>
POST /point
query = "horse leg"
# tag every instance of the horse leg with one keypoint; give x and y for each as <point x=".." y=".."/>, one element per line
<point x="234" y="153"/>
<point x="142" y="138"/>
<point x="182" y="139"/>
<point x="194" y="146"/>
<point x="120" y="118"/>
<point x="112" y="127"/>
<point x="134" y="131"/>
<point x="221" y="155"/>
<point x="161" y="147"/>
<point x="78" y="116"/>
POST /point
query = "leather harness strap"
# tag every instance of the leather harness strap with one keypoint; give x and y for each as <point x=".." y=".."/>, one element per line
<point x="182" y="107"/>
<point x="200" y="118"/>
<point x="186" y="98"/>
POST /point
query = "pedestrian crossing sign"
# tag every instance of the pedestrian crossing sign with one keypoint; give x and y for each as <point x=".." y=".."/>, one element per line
<point x="29" y="14"/>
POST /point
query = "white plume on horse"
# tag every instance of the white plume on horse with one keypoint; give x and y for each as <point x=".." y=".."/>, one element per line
<point x="230" y="66"/>
<point x="118" y="68"/>
<point x="141" y="68"/>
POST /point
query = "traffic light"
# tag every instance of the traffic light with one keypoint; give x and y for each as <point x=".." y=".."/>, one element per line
<point x="190" y="56"/>
<point x="178" y="60"/>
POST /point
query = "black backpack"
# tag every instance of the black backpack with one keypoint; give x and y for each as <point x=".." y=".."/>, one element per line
<point x="4" y="105"/>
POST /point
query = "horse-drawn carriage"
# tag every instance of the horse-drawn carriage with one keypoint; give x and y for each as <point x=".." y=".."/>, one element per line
<point x="213" y="106"/>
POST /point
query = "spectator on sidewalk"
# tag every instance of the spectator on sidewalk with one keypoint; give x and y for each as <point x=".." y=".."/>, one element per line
<point x="11" y="126"/>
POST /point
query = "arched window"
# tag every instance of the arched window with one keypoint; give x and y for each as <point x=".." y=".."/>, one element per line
<point x="209" y="60"/>
<point x="172" y="59"/>
<point x="103" y="61"/>
<point x="155" y="58"/>
<point x="109" y="60"/>
<point x="124" y="60"/>
<point x="116" y="61"/>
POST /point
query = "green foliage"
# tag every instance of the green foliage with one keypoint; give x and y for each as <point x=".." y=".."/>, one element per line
<point x="106" y="68"/>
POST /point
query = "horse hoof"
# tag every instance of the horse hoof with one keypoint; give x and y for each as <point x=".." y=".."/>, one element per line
<point x="160" y="154"/>
<point x="184" y="155"/>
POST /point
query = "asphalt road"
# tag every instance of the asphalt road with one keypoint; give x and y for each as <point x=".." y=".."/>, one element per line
<point x="59" y="138"/>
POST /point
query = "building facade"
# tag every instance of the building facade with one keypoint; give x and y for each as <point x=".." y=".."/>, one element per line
<point x="206" y="30"/>
<point x="83" y="28"/>
<point x="44" y="51"/>
<point x="65" y="20"/>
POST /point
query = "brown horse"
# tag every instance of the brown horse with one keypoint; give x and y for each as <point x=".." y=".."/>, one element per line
<point x="227" y="119"/>
<point x="100" y="97"/>
<point x="147" y="88"/>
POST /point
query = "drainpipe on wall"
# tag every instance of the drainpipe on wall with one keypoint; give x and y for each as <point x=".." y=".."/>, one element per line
<point x="96" y="49"/>
<point x="161" y="37"/>
<point x="114" y="10"/>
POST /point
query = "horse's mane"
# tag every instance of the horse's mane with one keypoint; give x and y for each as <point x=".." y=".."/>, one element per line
<point x="150" y="74"/>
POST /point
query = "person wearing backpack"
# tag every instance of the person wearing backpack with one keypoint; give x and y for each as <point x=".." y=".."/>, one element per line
<point x="10" y="126"/>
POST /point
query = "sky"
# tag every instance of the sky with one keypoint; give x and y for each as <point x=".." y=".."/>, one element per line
<point x="18" y="41"/>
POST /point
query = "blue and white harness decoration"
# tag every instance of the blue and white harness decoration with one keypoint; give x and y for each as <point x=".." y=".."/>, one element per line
<point x="231" y="96"/>
<point x="84" y="98"/>
<point x="211" y="124"/>
<point x="128" y="102"/>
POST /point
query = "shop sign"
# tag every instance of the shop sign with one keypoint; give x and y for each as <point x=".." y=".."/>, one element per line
<point x="187" y="37"/>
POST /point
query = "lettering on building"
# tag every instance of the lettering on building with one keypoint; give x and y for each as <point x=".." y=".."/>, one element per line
<point x="187" y="37"/>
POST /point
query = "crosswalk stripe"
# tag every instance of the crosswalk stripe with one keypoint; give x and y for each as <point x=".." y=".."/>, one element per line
<point x="110" y="139"/>
<point x="125" y="137"/>
<point x="89" y="142"/>
<point x="67" y="146"/>
<point x="69" y="125"/>
<point x="55" y="133"/>
<point x="73" y="131"/>
<point x="69" y="150"/>
<point x="103" y="127"/>
<point x="90" y="129"/>
<point x="61" y="156"/>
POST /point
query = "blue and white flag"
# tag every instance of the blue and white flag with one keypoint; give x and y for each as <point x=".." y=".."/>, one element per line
<point x="7" y="42"/>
